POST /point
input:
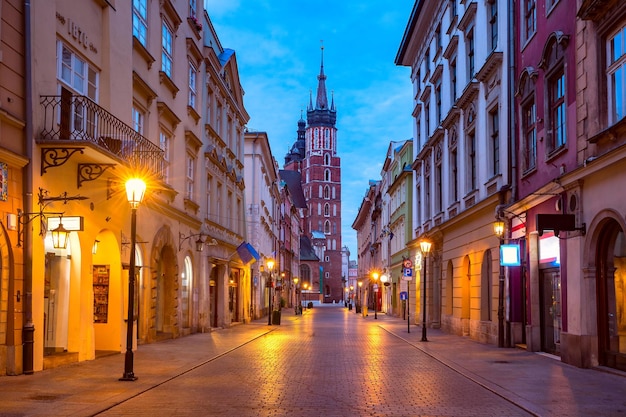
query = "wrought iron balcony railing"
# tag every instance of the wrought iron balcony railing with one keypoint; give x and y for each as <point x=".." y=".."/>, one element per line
<point x="79" y="119"/>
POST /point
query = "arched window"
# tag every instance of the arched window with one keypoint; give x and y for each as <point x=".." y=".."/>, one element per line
<point x="185" y="292"/>
<point x="327" y="227"/>
<point x="326" y="159"/>
<point x="327" y="175"/>
<point x="326" y="209"/>
<point x="327" y="192"/>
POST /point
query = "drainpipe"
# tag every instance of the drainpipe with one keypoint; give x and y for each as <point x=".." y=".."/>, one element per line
<point x="28" y="331"/>
<point x="512" y="133"/>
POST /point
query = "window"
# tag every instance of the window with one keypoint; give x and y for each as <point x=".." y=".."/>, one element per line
<point x="191" y="162"/>
<point x="471" y="161"/>
<point x="167" y="52"/>
<point x="556" y="86"/>
<point x="192" y="86"/>
<point x="617" y="75"/>
<point x="218" y="203"/>
<point x="454" y="165"/>
<point x="438" y="181"/>
<point x="140" y="21"/>
<point x="164" y="143"/>
<point x="530" y="19"/>
<point x="438" y="38"/>
<point x="452" y="9"/>
<point x="494" y="142"/>
<point x="326" y="210"/>
<point x="427" y="193"/>
<point x="427" y="60"/>
<point x="492" y="8"/>
<point x="192" y="8"/>
<point x="76" y="73"/>
<point x="454" y="173"/>
<point x="209" y="182"/>
<point x="138" y="120"/>
<point x="470" y="54"/>
<point x="327" y="192"/>
<point x="427" y="118"/>
<point x="326" y="159"/>
<point x="327" y="227"/>
<point x="453" y="80"/>
<point x="326" y="138"/>
<point x="327" y="175"/>
<point x="438" y="101"/>
<point x="76" y="76"/>
<point x="529" y="126"/>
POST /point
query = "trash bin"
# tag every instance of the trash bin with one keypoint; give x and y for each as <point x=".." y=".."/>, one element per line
<point x="364" y="311"/>
<point x="309" y="305"/>
<point x="276" y="317"/>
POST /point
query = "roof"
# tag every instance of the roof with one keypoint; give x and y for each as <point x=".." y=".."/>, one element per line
<point x="306" y="250"/>
<point x="293" y="180"/>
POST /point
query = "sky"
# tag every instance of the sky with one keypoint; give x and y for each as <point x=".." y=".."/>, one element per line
<point x="277" y="45"/>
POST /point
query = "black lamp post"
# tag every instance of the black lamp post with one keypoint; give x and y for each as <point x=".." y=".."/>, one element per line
<point x="425" y="247"/>
<point x="135" y="190"/>
<point x="498" y="228"/>
<point x="375" y="276"/>
<point x="360" y="297"/>
<point x="270" y="267"/>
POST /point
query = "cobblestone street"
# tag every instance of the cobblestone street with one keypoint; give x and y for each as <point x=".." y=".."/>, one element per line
<point x="328" y="362"/>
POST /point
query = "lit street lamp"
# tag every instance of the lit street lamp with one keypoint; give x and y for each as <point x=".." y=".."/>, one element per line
<point x="135" y="190"/>
<point x="358" y="310"/>
<point x="425" y="246"/>
<point x="270" y="267"/>
<point x="297" y="290"/>
<point x="375" y="276"/>
<point x="498" y="229"/>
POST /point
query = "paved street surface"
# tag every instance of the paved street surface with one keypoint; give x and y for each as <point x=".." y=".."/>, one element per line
<point x="327" y="362"/>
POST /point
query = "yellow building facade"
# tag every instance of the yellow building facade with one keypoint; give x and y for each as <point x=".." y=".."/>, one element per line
<point x="123" y="90"/>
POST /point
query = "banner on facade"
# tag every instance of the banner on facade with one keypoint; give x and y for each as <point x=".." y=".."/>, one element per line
<point x="247" y="253"/>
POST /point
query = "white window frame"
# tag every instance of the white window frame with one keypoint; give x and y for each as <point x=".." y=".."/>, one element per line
<point x="140" y="21"/>
<point x="616" y="69"/>
<point x="167" y="49"/>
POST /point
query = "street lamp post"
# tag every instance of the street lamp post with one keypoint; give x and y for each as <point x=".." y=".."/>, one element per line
<point x="270" y="267"/>
<point x="135" y="190"/>
<point x="498" y="228"/>
<point x="375" y="276"/>
<point x="295" y="283"/>
<point x="425" y="246"/>
<point x="360" y="297"/>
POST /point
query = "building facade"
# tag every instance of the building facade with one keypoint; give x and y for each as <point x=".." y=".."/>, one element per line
<point x="14" y="165"/>
<point x="107" y="105"/>
<point x="459" y="58"/>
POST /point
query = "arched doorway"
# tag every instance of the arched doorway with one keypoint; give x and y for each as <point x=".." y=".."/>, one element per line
<point x="611" y="290"/>
<point x="466" y="280"/>
<point x="166" y="323"/>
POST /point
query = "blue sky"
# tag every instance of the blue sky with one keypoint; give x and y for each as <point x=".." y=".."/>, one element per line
<point x="277" y="45"/>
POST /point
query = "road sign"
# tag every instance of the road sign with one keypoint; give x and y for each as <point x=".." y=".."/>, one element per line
<point x="404" y="295"/>
<point x="407" y="263"/>
<point x="407" y="272"/>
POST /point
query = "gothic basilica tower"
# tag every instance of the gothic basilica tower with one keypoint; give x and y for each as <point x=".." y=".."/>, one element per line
<point x="315" y="155"/>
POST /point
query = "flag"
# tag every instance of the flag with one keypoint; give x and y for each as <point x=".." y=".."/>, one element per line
<point x="247" y="253"/>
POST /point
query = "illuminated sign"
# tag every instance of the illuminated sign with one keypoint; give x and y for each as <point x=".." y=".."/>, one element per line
<point x="509" y="255"/>
<point x="70" y="223"/>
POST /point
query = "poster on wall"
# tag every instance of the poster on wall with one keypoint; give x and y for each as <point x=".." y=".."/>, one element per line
<point x="100" y="293"/>
<point x="4" y="181"/>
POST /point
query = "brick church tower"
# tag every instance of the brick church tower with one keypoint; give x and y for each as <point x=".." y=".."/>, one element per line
<point x="314" y="155"/>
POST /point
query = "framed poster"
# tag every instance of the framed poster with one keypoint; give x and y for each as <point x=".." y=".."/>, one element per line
<point x="100" y="293"/>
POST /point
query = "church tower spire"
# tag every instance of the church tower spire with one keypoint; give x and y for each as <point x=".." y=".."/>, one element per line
<point x="322" y="98"/>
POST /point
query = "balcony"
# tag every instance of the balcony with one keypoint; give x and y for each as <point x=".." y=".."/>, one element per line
<point x="75" y="125"/>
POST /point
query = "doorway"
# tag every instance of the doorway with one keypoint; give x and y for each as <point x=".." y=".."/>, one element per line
<point x="611" y="289"/>
<point x="550" y="310"/>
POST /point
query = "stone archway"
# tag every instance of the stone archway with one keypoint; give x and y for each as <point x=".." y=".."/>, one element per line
<point x="164" y="287"/>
